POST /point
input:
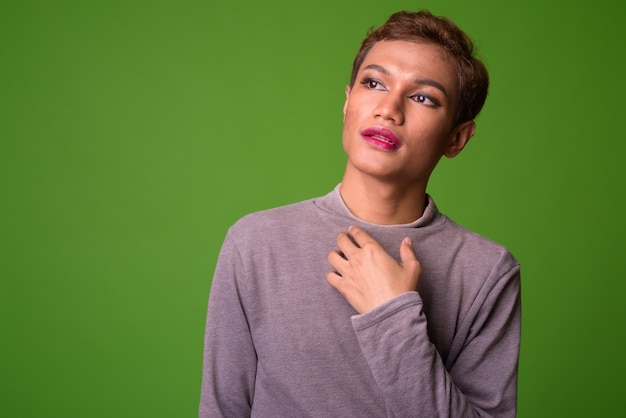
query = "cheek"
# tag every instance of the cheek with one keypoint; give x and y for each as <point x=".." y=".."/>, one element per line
<point x="351" y="117"/>
<point x="354" y="119"/>
<point x="345" y="134"/>
<point x="348" y="122"/>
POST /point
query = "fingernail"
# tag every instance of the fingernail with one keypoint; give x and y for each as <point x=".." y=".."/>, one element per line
<point x="408" y="240"/>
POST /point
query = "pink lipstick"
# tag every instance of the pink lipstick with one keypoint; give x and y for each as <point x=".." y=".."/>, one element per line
<point x="381" y="138"/>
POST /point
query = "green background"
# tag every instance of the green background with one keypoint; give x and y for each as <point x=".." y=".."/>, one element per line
<point x="133" y="133"/>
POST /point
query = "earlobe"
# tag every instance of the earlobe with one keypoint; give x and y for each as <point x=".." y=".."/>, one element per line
<point x="460" y="136"/>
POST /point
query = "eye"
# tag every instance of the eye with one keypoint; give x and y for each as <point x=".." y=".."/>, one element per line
<point x="424" y="99"/>
<point x="372" y="84"/>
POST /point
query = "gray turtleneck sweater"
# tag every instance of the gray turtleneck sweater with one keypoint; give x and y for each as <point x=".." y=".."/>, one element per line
<point x="281" y="342"/>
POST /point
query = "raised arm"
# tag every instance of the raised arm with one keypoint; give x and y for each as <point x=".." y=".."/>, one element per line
<point x="480" y="377"/>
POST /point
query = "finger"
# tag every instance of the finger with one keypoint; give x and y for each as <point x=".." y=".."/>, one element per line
<point x="336" y="260"/>
<point x="407" y="253"/>
<point x="336" y="281"/>
<point x="346" y="244"/>
<point x="408" y="257"/>
<point x="359" y="236"/>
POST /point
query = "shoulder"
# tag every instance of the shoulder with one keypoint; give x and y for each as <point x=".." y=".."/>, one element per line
<point x="475" y="248"/>
<point x="274" y="220"/>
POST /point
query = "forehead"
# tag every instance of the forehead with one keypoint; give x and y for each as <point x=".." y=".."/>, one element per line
<point x="414" y="60"/>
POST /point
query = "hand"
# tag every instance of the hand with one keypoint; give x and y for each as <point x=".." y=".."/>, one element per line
<point x="366" y="275"/>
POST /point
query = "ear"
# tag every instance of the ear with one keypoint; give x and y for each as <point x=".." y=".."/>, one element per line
<point x="345" y="104"/>
<point x="459" y="137"/>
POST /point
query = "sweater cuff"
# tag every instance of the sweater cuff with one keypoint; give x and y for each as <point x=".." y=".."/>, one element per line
<point x="384" y="311"/>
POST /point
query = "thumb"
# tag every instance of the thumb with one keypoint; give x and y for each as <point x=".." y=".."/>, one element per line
<point x="410" y="262"/>
<point x="407" y="255"/>
<point x="406" y="250"/>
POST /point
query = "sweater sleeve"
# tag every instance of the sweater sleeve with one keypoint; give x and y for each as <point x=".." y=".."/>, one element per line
<point x="229" y="367"/>
<point x="481" y="379"/>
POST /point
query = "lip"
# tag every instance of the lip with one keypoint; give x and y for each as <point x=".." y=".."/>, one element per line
<point x="381" y="138"/>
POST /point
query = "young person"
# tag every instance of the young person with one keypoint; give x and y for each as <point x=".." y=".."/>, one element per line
<point x="368" y="302"/>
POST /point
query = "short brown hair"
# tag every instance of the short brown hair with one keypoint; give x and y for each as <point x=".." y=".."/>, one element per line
<point x="423" y="26"/>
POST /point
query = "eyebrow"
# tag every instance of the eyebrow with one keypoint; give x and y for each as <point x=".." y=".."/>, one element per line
<point x="426" y="81"/>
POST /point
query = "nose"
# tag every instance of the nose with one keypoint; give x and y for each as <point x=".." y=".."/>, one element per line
<point x="390" y="107"/>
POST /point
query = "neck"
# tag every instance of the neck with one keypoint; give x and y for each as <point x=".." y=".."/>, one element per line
<point x="383" y="203"/>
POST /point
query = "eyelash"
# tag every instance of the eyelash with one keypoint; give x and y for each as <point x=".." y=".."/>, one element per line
<point x="422" y="98"/>
<point x="370" y="83"/>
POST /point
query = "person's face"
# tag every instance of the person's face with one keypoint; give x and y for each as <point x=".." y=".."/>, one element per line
<point x="398" y="115"/>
